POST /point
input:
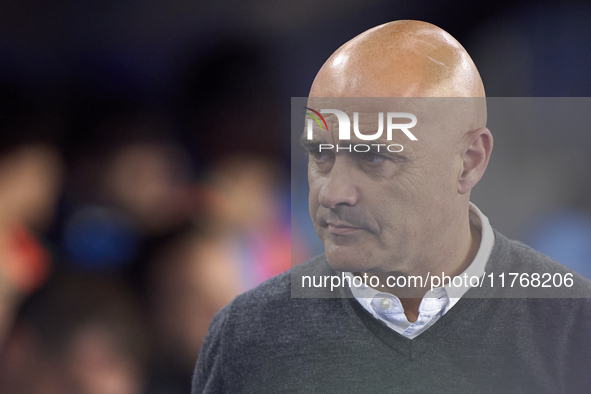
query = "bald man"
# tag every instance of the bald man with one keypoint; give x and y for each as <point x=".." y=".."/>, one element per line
<point x="398" y="214"/>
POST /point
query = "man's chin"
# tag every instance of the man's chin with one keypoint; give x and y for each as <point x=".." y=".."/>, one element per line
<point x="344" y="260"/>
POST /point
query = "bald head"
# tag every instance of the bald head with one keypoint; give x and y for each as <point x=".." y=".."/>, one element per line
<point x="405" y="59"/>
<point x="399" y="59"/>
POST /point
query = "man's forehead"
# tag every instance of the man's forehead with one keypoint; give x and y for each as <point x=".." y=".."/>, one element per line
<point x="367" y="104"/>
<point x="427" y="108"/>
<point x="433" y="114"/>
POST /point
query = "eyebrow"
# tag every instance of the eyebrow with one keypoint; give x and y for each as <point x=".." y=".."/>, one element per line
<point x="307" y="144"/>
<point x="311" y="146"/>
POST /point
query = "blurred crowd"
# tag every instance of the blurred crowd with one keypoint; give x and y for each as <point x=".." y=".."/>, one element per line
<point x="124" y="228"/>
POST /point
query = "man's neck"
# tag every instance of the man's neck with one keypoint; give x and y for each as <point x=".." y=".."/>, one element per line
<point x="411" y="298"/>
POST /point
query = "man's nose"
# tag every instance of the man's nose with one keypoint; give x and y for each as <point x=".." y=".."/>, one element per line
<point x="338" y="188"/>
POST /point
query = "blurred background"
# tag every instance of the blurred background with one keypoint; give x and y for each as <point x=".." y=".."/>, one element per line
<point x="145" y="166"/>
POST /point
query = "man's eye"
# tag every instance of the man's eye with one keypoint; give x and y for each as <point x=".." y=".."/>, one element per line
<point x="320" y="156"/>
<point x="372" y="157"/>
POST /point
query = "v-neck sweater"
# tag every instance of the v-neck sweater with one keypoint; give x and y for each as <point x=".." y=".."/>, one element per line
<point x="280" y="337"/>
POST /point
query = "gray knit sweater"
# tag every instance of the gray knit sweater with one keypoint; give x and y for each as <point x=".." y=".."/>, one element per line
<point x="265" y="341"/>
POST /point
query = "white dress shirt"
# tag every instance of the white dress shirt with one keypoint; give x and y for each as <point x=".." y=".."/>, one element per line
<point x="387" y="307"/>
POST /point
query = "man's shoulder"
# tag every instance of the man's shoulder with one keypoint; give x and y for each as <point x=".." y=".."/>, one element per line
<point x="510" y="256"/>
<point x="270" y="316"/>
<point x="275" y="296"/>
<point x="279" y="288"/>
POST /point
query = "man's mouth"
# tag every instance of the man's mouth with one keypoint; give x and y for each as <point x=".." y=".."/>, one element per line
<point x="341" y="229"/>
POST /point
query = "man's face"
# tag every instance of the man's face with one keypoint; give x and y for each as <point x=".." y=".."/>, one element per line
<point x="381" y="211"/>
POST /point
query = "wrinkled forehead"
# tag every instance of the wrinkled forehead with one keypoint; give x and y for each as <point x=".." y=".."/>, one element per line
<point x="366" y="103"/>
<point x="426" y="118"/>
